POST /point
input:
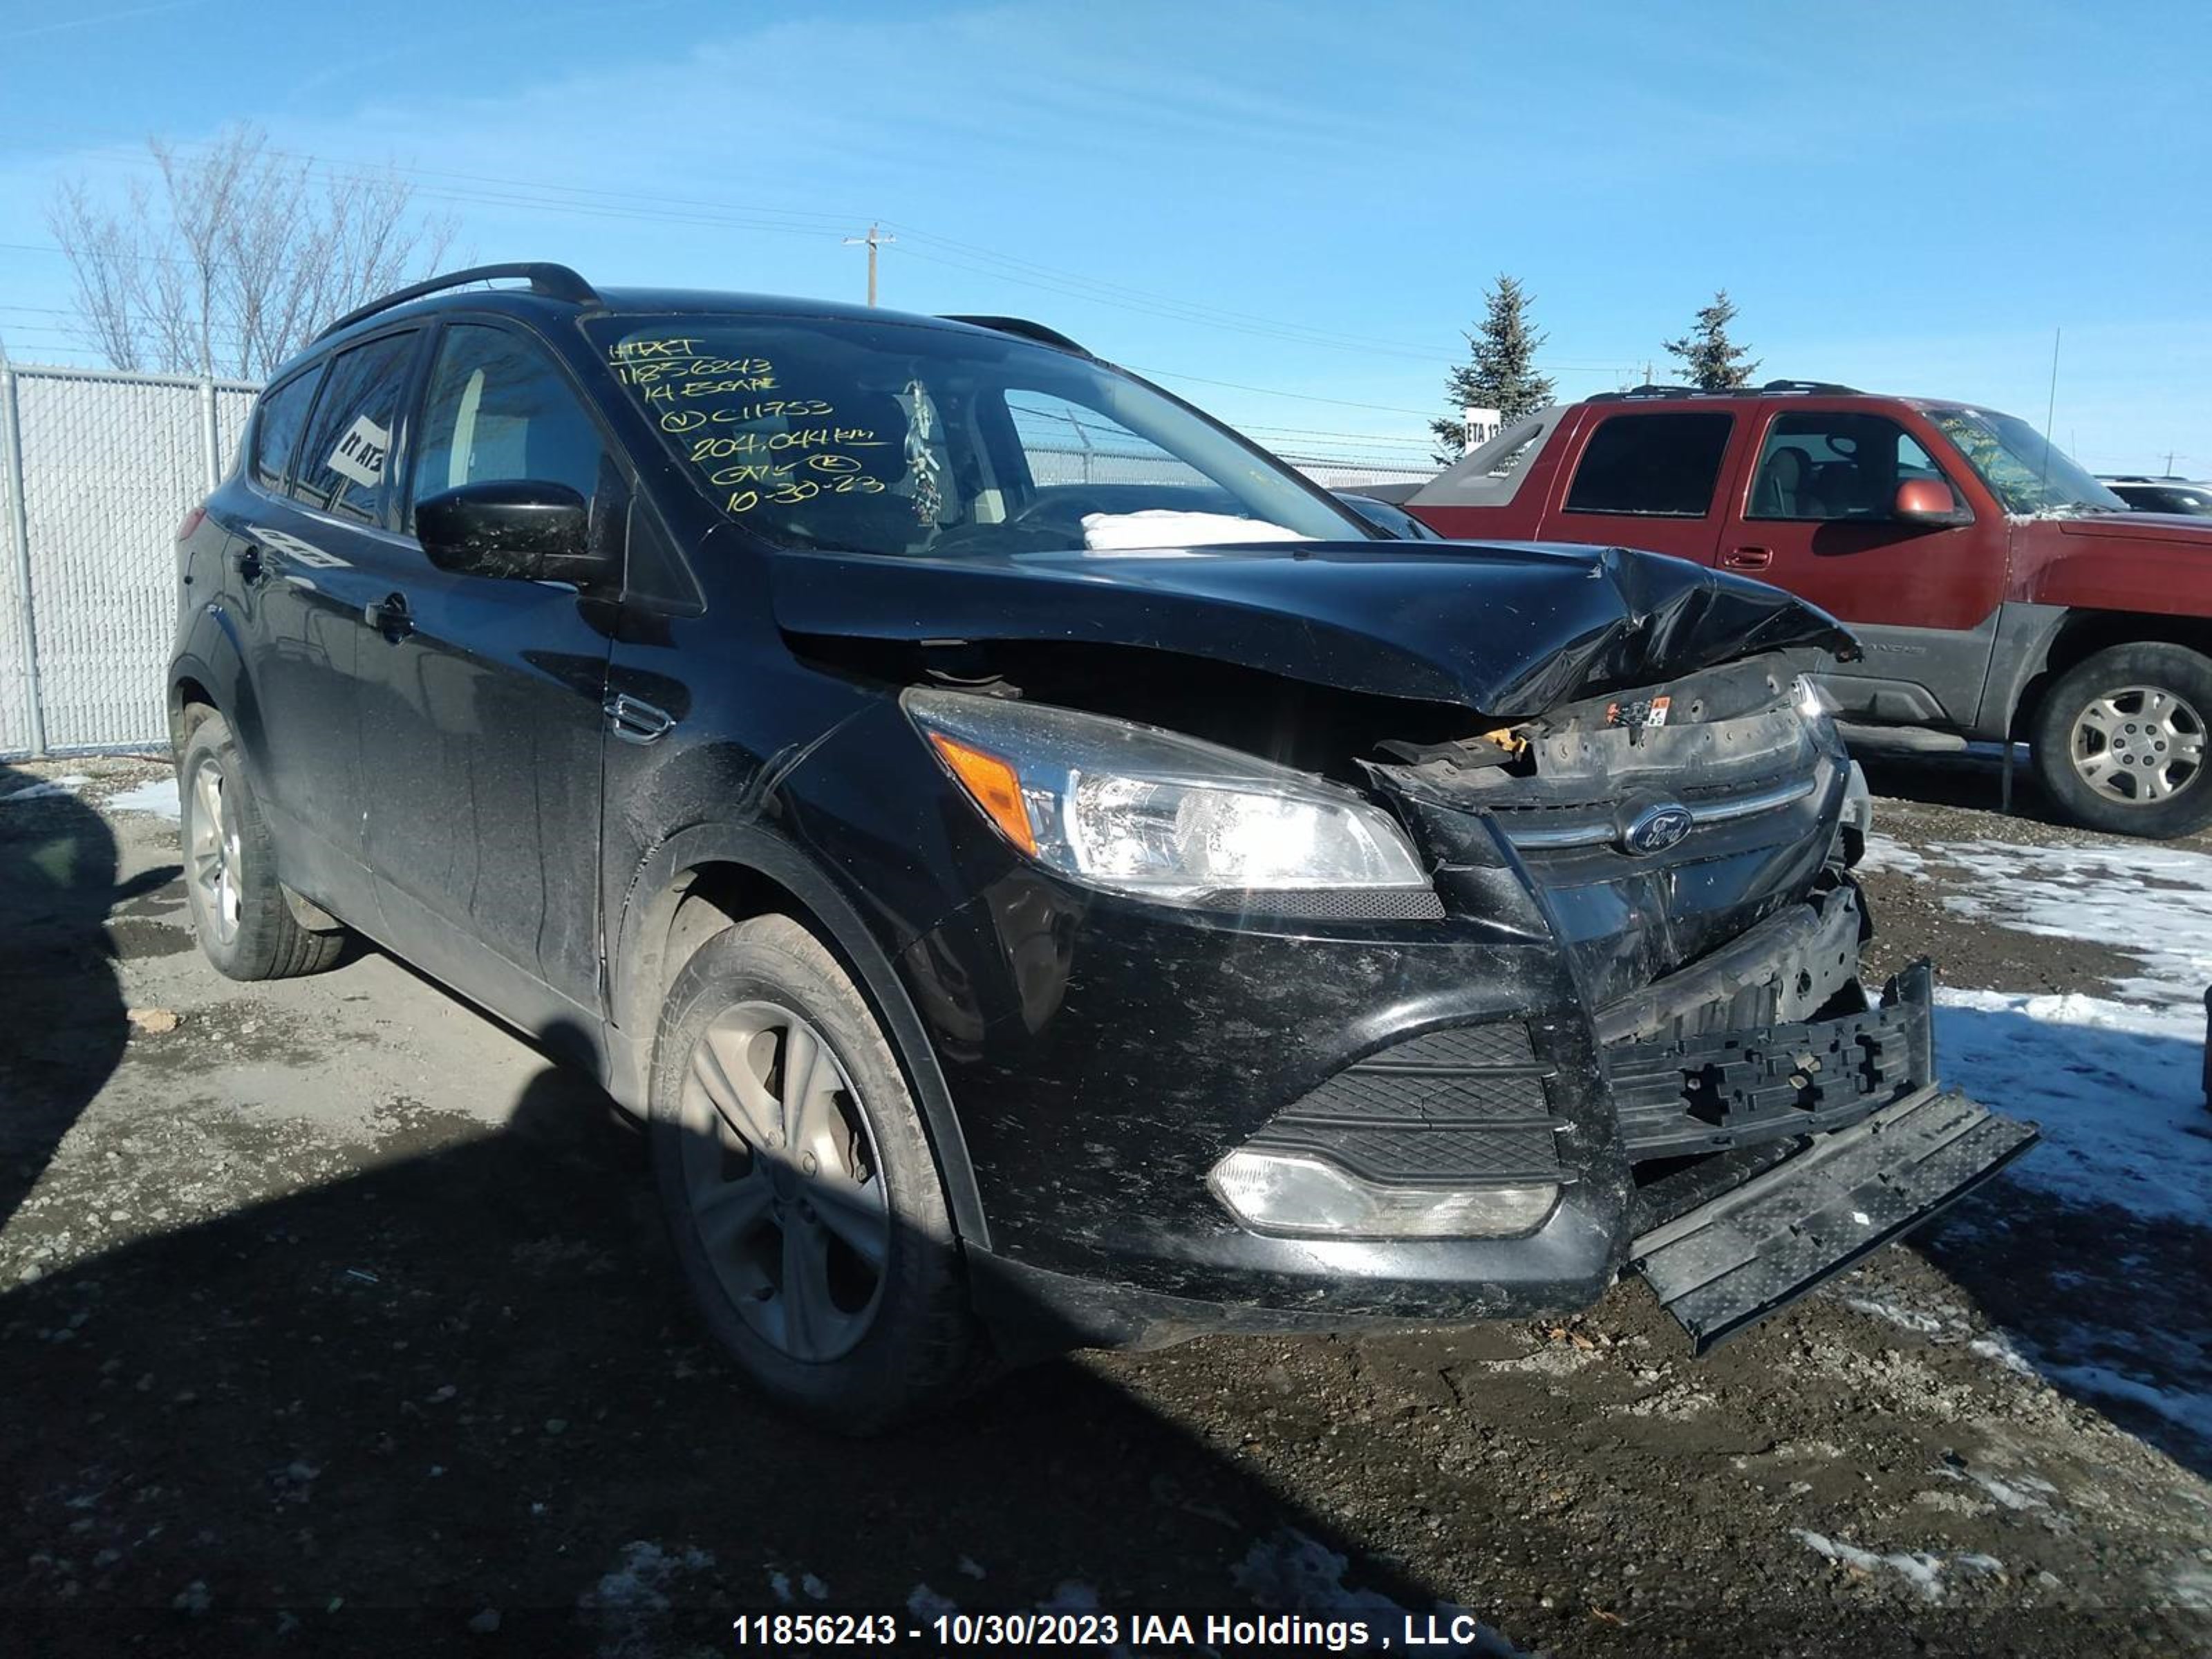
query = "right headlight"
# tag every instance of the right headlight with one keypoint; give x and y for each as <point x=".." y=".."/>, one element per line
<point x="1142" y="810"/>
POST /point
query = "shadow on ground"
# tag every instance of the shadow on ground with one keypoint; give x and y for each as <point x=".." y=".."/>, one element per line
<point x="57" y="982"/>
<point x="469" y="1382"/>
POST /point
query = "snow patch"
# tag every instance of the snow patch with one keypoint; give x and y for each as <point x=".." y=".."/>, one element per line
<point x="2153" y="902"/>
<point x="2189" y="1409"/>
<point x="1884" y="853"/>
<point x="1923" y="1571"/>
<point x="1906" y="1319"/>
<point x="46" y="789"/>
<point x="924" y="1602"/>
<point x="1290" y="1572"/>
<point x="1997" y="1348"/>
<point x="156" y="795"/>
<point x="2118" y="1091"/>
<point x="626" y="1601"/>
<point x="1166" y="529"/>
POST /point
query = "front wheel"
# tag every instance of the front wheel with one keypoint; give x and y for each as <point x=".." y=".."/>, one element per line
<point x="799" y="1187"/>
<point x="2120" y="740"/>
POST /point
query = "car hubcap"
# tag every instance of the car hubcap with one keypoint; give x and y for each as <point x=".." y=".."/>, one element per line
<point x="2139" y="745"/>
<point x="213" y="853"/>
<point x="784" y="1187"/>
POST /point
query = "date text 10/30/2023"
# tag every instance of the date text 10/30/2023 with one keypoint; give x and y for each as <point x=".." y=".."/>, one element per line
<point x="1221" y="1633"/>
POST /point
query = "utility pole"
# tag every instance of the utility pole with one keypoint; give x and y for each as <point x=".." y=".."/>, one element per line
<point x="872" y="241"/>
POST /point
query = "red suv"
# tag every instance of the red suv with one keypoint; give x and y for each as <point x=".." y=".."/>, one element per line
<point x="1999" y="589"/>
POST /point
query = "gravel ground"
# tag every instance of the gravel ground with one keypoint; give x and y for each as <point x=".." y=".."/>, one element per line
<point x="335" y="1317"/>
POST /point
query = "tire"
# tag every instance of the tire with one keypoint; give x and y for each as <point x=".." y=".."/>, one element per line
<point x="245" y="922"/>
<point x="755" y="1206"/>
<point x="2121" y="741"/>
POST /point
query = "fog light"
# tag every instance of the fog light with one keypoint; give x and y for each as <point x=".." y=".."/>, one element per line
<point x="1284" y="1193"/>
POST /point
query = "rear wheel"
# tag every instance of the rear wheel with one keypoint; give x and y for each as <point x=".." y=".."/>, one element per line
<point x="2121" y="740"/>
<point x="799" y="1187"/>
<point x="240" y="910"/>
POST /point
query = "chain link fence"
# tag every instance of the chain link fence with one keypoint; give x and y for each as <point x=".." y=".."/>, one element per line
<point x="96" y="468"/>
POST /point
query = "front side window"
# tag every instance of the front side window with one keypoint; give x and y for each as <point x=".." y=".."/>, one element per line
<point x="498" y="411"/>
<point x="342" y="466"/>
<point x="1829" y="465"/>
<point x="1659" y="464"/>
<point x="2023" y="469"/>
<point x="276" y="429"/>
<point x="903" y="438"/>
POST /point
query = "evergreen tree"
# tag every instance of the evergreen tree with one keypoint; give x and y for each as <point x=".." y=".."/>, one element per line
<point x="1712" y="361"/>
<point x="1499" y="373"/>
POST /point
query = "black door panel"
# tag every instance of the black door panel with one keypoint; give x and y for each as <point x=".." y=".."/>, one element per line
<point x="482" y="717"/>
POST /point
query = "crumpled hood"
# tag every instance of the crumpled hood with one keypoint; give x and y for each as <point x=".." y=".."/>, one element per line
<point x="1509" y="629"/>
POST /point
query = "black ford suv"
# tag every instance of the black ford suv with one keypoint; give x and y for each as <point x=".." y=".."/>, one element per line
<point x="1046" y="873"/>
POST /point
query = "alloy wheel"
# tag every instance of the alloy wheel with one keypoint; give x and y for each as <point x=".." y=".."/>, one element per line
<point x="785" y="1185"/>
<point x="2139" y="745"/>
<point x="214" y="851"/>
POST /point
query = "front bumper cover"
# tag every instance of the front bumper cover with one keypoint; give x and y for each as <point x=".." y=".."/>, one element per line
<point x="1104" y="1054"/>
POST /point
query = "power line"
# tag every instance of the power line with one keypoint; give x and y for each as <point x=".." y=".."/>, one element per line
<point x="1273" y="391"/>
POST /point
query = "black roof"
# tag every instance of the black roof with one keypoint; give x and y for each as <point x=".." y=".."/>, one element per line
<point x="556" y="289"/>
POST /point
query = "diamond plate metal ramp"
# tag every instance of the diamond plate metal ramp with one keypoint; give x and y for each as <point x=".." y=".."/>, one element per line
<point x="1739" y="1257"/>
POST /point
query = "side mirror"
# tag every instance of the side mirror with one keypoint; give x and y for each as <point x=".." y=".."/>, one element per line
<point x="517" y="530"/>
<point x="1927" y="501"/>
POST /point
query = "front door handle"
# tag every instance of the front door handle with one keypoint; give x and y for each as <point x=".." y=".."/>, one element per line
<point x="634" y="720"/>
<point x="1748" y="558"/>
<point x="388" y="616"/>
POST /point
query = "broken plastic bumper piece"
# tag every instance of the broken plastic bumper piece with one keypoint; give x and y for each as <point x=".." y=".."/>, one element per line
<point x="1758" y="1246"/>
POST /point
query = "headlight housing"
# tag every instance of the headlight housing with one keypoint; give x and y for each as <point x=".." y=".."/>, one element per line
<point x="1813" y="700"/>
<point x="1137" y="809"/>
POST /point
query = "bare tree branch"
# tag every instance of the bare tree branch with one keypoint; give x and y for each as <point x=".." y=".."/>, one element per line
<point x="239" y="257"/>
<point x="103" y="252"/>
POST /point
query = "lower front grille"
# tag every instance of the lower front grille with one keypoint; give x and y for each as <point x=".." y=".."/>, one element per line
<point x="1707" y="1093"/>
<point x="1462" y="1107"/>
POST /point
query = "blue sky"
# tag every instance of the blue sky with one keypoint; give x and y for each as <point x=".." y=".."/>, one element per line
<point x="1304" y="202"/>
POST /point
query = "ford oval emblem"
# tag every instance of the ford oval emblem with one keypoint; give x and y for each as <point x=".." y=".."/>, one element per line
<point x="1656" y="828"/>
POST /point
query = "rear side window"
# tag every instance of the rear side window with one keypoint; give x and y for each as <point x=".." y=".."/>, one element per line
<point x="1492" y="475"/>
<point x="342" y="466"/>
<point x="1660" y="464"/>
<point x="276" y="427"/>
<point x="498" y="411"/>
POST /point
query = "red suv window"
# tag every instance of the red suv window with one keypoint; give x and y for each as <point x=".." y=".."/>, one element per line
<point x="1660" y="463"/>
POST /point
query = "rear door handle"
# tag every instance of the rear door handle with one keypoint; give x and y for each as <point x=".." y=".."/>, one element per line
<point x="388" y="616"/>
<point x="634" y="720"/>
<point x="1748" y="558"/>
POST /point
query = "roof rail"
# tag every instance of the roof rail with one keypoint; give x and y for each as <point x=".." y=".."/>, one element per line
<point x="1021" y="326"/>
<point x="1647" y="391"/>
<point x="1827" y="387"/>
<point x="554" y="282"/>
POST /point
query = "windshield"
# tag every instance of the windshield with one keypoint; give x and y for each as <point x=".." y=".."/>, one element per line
<point x="2022" y="468"/>
<point x="898" y="438"/>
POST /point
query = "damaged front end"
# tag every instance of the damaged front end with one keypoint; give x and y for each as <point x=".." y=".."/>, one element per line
<point x="1692" y="845"/>
<point x="1401" y="938"/>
